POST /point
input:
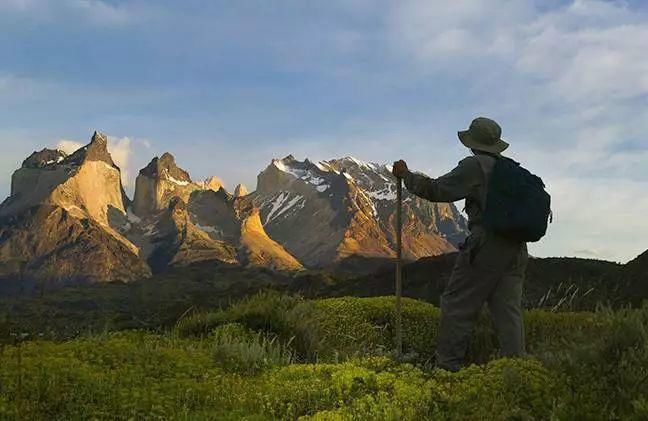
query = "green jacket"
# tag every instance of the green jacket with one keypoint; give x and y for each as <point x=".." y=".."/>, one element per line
<point x="469" y="181"/>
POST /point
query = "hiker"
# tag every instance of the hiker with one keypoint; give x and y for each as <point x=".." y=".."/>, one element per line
<point x="491" y="264"/>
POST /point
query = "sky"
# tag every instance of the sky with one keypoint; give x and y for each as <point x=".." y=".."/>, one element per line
<point x="225" y="86"/>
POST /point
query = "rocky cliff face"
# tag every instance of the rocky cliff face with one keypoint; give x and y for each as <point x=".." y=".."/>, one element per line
<point x="61" y="219"/>
<point x="159" y="182"/>
<point x="179" y="242"/>
<point x="86" y="183"/>
<point x="345" y="208"/>
<point x="201" y="222"/>
<point x="68" y="218"/>
<point x="256" y="247"/>
<point x="240" y="191"/>
<point x="428" y="228"/>
<point x="48" y="243"/>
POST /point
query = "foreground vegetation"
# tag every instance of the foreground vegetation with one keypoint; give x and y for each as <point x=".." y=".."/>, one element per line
<point x="274" y="356"/>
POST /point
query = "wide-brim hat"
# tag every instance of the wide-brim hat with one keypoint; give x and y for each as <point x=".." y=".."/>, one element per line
<point x="484" y="135"/>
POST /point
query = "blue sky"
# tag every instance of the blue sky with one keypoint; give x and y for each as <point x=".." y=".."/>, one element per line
<point x="227" y="85"/>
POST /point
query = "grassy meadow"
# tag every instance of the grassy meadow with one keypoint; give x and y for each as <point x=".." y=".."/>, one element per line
<point x="274" y="356"/>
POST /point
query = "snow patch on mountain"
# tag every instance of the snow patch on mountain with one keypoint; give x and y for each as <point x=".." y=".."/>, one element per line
<point x="305" y="174"/>
<point x="362" y="164"/>
<point x="170" y="178"/>
<point x="281" y="204"/>
<point x="385" y="194"/>
<point x="208" y="228"/>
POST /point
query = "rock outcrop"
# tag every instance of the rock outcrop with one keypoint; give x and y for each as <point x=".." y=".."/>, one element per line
<point x="256" y="247"/>
<point x="179" y="242"/>
<point x="62" y="218"/>
<point x="202" y="222"/>
<point x="212" y="183"/>
<point x="47" y="243"/>
<point x="240" y="191"/>
<point x="158" y="183"/>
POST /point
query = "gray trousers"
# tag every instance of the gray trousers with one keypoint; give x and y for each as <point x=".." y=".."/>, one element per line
<point x="489" y="269"/>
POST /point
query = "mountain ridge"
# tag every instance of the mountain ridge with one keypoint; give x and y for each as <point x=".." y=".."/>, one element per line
<point x="302" y="215"/>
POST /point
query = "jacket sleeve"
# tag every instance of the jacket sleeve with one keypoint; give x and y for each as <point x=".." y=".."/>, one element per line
<point x="455" y="185"/>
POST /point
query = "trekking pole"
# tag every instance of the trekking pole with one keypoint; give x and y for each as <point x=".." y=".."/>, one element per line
<point x="399" y="268"/>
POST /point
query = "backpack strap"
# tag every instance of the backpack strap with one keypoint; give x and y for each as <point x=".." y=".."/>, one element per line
<point x="486" y="162"/>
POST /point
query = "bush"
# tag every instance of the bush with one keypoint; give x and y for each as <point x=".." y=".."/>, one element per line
<point x="359" y="326"/>
<point x="236" y="348"/>
<point x="608" y="372"/>
<point x="502" y="389"/>
<point x="291" y="319"/>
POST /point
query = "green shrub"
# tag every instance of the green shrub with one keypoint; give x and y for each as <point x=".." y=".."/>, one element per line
<point x="200" y="324"/>
<point x="358" y="326"/>
<point x="290" y="318"/>
<point x="236" y="348"/>
<point x="608" y="372"/>
<point x="117" y="376"/>
<point x="502" y="389"/>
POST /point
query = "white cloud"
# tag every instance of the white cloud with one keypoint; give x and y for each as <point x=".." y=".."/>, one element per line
<point x="433" y="31"/>
<point x="68" y="146"/>
<point x="607" y="215"/>
<point x="120" y="150"/>
<point x="97" y="12"/>
<point x="588" y="50"/>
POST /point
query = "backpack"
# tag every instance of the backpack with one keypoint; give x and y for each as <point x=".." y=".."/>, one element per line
<point x="517" y="204"/>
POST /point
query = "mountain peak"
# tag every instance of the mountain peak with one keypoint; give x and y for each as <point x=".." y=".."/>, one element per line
<point x="96" y="150"/>
<point x="240" y="191"/>
<point x="281" y="163"/>
<point x="212" y="183"/>
<point x="165" y="167"/>
<point x="358" y="162"/>
<point x="167" y="158"/>
<point x="99" y="138"/>
<point x="283" y="172"/>
<point x="44" y="158"/>
<point x="158" y="183"/>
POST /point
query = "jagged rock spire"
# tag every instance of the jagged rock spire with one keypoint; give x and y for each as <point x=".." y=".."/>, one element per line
<point x="240" y="191"/>
<point x="100" y="138"/>
<point x="213" y="183"/>
<point x="165" y="167"/>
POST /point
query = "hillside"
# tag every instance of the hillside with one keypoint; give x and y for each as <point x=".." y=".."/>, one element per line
<point x="634" y="279"/>
<point x="567" y="283"/>
<point x="158" y="302"/>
